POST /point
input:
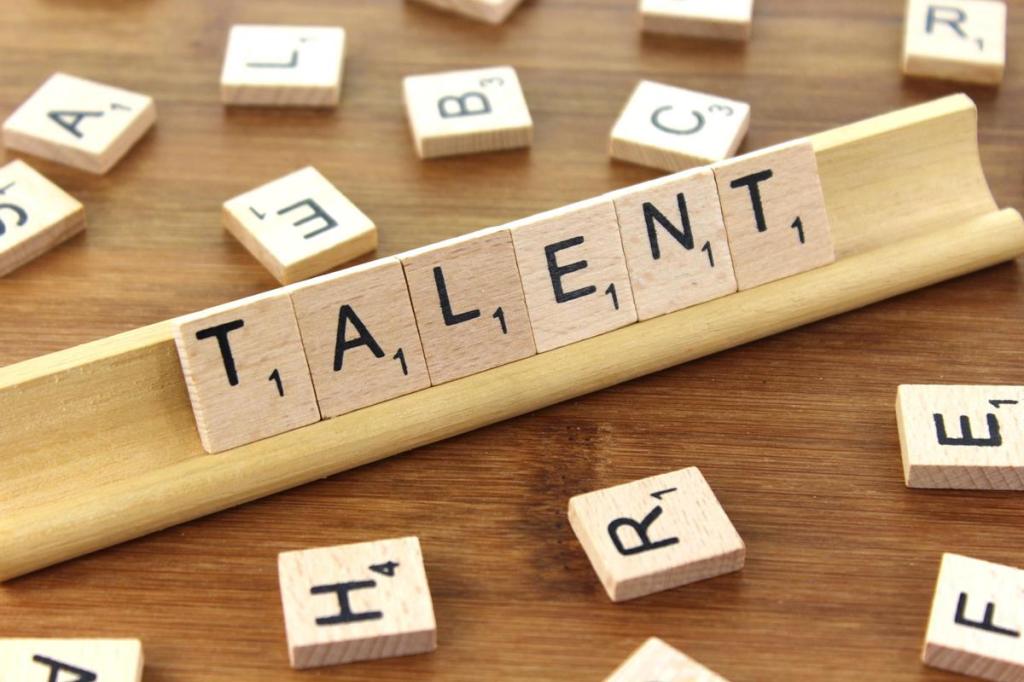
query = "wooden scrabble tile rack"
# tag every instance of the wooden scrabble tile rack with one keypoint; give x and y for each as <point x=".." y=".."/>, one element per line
<point x="101" y="441"/>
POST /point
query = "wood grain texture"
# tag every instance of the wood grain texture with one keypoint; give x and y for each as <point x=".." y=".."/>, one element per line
<point x="842" y="564"/>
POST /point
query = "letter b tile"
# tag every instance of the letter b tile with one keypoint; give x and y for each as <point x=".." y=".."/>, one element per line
<point x="655" y="534"/>
<point x="465" y="112"/>
<point x="356" y="602"/>
<point x="977" y="620"/>
<point x="246" y="370"/>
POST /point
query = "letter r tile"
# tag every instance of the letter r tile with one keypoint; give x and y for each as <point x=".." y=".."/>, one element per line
<point x="655" y="534"/>
<point x="976" y="626"/>
<point x="774" y="212"/>
<point x="245" y="370"/>
<point x="574" y="273"/>
<point x="356" y="602"/>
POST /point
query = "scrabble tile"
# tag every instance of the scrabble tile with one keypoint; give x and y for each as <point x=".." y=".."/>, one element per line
<point x="774" y="212"/>
<point x="70" y="660"/>
<point x="466" y="112"/>
<point x="715" y="19"/>
<point x="977" y="620"/>
<point x="283" y="66"/>
<point x="574" y="273"/>
<point x="299" y="225"/>
<point x="356" y="602"/>
<point x="655" y="534"/>
<point x="656" y="660"/>
<point x="962" y="437"/>
<point x="491" y="11"/>
<point x="673" y="128"/>
<point x="35" y="215"/>
<point x="469" y="304"/>
<point x="245" y="370"/>
<point x="675" y="244"/>
<point x="79" y="123"/>
<point x="957" y="40"/>
<point x="360" y="336"/>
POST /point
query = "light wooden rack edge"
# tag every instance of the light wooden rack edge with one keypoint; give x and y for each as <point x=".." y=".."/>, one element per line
<point x="99" y="444"/>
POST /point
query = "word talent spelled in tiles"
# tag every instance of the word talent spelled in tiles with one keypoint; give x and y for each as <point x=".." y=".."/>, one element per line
<point x="71" y="660"/>
<point x="449" y="310"/>
<point x="962" y="437"/>
<point x="283" y="66"/>
<point x="673" y="128"/>
<point x="655" y="534"/>
<point x="465" y="112"/>
<point x="360" y="336"/>
<point x="246" y="370"/>
<point x="715" y="19"/>
<point x="356" y="602"/>
<point x="977" y="620"/>
<point x="774" y="212"/>
<point x="491" y="11"/>
<point x="35" y="215"/>
<point x="656" y="660"/>
<point x="958" y="40"/>
<point x="299" y="225"/>
<point x="79" y="123"/>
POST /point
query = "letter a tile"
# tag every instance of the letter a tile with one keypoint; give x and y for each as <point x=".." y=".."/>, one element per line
<point x="245" y="370"/>
<point x="976" y="625"/>
<point x="466" y="112"/>
<point x="356" y="602"/>
<point x="70" y="660"/>
<point x="774" y="212"/>
<point x="299" y="225"/>
<point x="962" y="437"/>
<point x="675" y="243"/>
<point x="655" y="534"/>
<point x="656" y="660"/>
<point x="574" y="273"/>
<point x="79" y="123"/>
<point x="957" y="40"/>
<point x="35" y="215"/>
<point x="469" y="304"/>
<point x="360" y="336"/>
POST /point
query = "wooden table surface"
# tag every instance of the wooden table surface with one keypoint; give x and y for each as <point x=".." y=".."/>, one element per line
<point x="796" y="434"/>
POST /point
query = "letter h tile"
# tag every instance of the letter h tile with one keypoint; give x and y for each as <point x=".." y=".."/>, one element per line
<point x="356" y="602"/>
